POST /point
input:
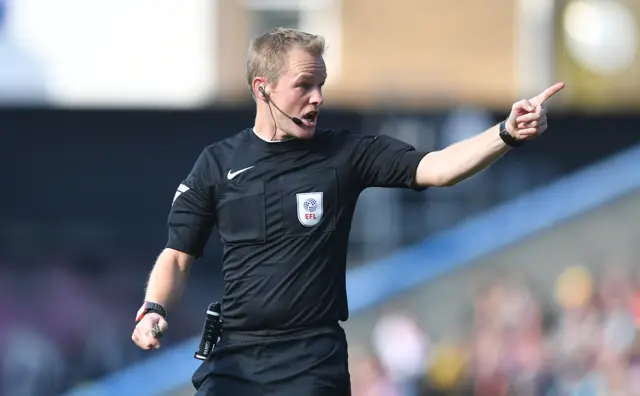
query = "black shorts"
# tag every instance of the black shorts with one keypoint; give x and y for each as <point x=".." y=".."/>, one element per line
<point x="310" y="362"/>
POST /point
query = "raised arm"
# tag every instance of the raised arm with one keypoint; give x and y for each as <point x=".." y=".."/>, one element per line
<point x="527" y="120"/>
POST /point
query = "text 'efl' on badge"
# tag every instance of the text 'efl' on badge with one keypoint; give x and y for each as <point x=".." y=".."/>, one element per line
<point x="310" y="208"/>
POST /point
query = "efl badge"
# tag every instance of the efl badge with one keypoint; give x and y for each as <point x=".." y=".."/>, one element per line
<point x="309" y="208"/>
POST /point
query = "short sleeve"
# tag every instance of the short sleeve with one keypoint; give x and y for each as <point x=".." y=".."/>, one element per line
<point x="382" y="161"/>
<point x="192" y="215"/>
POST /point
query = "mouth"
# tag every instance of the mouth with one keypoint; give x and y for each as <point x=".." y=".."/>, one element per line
<point x="310" y="118"/>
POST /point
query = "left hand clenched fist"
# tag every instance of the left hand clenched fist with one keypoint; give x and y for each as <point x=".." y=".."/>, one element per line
<point x="528" y="118"/>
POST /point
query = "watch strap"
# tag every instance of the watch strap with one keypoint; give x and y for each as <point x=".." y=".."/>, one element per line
<point x="150" y="307"/>
<point x="507" y="138"/>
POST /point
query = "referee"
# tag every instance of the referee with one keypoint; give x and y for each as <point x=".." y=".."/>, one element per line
<point x="282" y="196"/>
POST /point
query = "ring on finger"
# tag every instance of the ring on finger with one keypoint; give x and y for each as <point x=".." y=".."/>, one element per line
<point x="156" y="332"/>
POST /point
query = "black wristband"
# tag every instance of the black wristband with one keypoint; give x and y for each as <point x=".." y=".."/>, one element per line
<point x="151" y="307"/>
<point x="507" y="138"/>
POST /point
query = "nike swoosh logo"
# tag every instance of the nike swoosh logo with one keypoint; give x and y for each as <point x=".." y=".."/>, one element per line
<point x="231" y="175"/>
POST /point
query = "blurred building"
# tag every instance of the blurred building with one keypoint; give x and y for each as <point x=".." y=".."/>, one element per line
<point x="407" y="53"/>
<point x="382" y="52"/>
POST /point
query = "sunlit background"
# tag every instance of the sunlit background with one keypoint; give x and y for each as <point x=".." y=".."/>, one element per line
<point x="523" y="280"/>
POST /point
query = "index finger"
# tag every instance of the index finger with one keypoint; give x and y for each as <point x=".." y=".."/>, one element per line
<point x="547" y="93"/>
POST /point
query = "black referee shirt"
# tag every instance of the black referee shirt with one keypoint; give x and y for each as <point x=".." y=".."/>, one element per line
<point x="284" y="211"/>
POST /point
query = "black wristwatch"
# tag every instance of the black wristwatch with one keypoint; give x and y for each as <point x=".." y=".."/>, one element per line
<point x="507" y="138"/>
<point x="150" y="307"/>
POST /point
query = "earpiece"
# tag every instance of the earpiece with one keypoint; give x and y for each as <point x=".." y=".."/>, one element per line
<point x="266" y="97"/>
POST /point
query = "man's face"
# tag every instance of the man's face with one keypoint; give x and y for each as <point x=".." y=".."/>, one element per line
<point x="299" y="93"/>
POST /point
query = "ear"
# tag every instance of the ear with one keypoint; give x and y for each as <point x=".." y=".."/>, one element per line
<point x="259" y="82"/>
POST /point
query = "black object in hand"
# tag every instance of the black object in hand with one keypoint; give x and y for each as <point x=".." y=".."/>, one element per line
<point x="211" y="332"/>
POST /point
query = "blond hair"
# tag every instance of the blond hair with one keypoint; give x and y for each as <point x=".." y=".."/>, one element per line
<point x="268" y="52"/>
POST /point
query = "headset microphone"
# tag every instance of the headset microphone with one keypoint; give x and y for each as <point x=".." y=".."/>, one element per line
<point x="295" y="120"/>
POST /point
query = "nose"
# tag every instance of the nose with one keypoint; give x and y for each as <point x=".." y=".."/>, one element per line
<point x="316" y="98"/>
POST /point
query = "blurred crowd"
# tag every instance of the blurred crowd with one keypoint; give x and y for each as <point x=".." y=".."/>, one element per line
<point x="70" y="322"/>
<point x="580" y="339"/>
